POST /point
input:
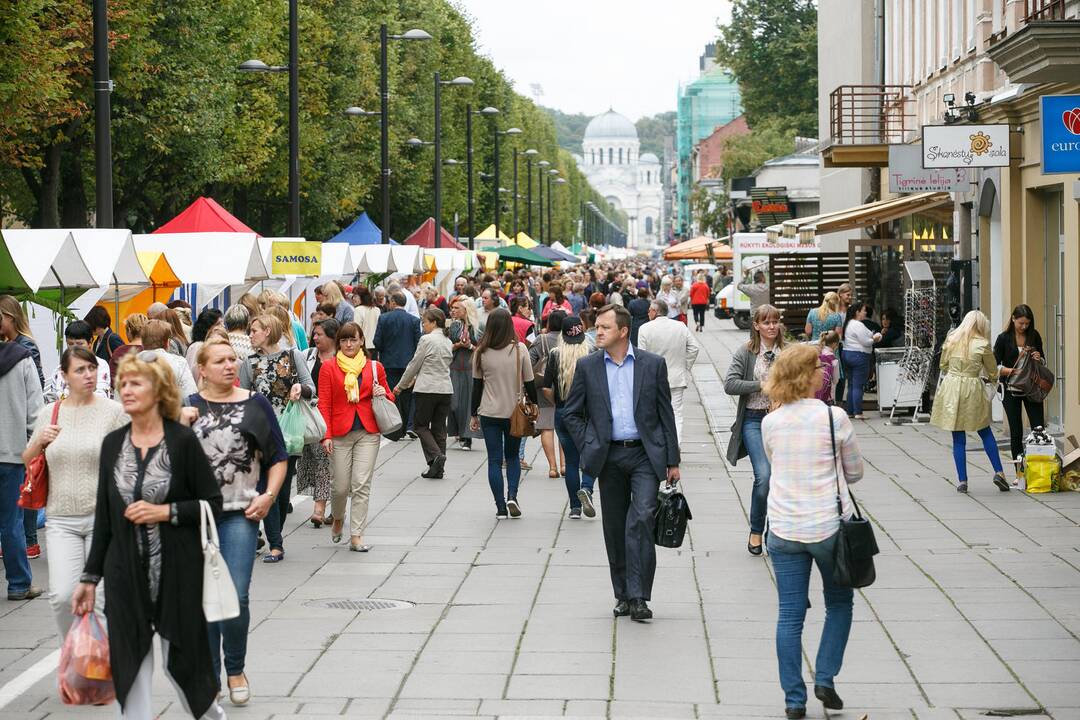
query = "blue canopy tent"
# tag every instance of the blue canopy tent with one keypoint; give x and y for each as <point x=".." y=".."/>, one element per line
<point x="362" y="232"/>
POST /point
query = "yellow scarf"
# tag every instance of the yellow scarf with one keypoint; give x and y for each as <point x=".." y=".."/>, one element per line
<point x="352" y="367"/>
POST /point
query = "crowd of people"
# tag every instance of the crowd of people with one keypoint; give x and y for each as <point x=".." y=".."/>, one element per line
<point x="139" y="429"/>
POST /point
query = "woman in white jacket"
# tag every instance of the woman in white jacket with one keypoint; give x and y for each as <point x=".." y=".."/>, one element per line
<point x="428" y="374"/>
<point x="858" y="345"/>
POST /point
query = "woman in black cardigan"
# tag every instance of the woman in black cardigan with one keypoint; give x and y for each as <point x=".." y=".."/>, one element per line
<point x="1019" y="333"/>
<point x="146" y="545"/>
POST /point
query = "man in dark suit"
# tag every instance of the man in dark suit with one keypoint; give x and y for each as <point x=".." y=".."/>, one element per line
<point x="396" y="338"/>
<point x="620" y="416"/>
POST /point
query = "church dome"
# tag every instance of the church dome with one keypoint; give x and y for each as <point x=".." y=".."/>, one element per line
<point x="610" y="125"/>
<point x="649" y="158"/>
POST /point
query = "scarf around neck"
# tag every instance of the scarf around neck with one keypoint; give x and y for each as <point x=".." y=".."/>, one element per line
<point x="352" y="367"/>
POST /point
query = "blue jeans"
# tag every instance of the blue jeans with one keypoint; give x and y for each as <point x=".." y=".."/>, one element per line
<point x="501" y="445"/>
<point x="276" y="515"/>
<point x="12" y="530"/>
<point x="857" y="365"/>
<point x="759" y="497"/>
<point x="576" y="478"/>
<point x="237" y="535"/>
<point x="791" y="561"/>
<point x="30" y="528"/>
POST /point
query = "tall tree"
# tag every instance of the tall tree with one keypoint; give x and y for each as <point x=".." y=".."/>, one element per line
<point x="771" y="48"/>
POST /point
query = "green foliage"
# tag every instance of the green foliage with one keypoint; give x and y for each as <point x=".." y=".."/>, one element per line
<point x="186" y="123"/>
<point x="709" y="211"/>
<point x="652" y="132"/>
<point x="771" y="48"/>
<point x="570" y="128"/>
<point x="743" y="154"/>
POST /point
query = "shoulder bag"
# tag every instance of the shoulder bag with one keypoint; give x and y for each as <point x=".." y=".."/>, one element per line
<point x="387" y="415"/>
<point x="34" y="493"/>
<point x="219" y="599"/>
<point x="526" y="413"/>
<point x="1030" y="379"/>
<point x="853" y="556"/>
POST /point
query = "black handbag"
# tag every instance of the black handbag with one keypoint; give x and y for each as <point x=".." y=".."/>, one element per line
<point x="672" y="514"/>
<point x="853" y="556"/>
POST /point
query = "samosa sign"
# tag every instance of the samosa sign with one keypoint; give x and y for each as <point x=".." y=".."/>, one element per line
<point x="296" y="257"/>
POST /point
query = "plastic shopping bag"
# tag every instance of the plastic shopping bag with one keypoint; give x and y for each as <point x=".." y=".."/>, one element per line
<point x="293" y="423"/>
<point x="85" y="675"/>
<point x="1041" y="473"/>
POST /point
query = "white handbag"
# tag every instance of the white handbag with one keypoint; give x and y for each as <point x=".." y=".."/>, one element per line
<point x="220" y="601"/>
<point x="387" y="415"/>
<point x="314" y="424"/>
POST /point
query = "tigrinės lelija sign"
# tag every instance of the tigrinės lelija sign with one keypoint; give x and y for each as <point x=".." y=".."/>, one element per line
<point x="963" y="146"/>
<point x="907" y="175"/>
<point x="1060" y="123"/>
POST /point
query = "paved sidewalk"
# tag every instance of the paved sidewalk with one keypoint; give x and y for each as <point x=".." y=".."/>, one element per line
<point x="976" y="607"/>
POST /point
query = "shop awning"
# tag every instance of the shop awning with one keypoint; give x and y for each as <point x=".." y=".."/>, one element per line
<point x="698" y="249"/>
<point x="861" y="216"/>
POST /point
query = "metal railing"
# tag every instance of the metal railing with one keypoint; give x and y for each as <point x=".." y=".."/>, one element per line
<point x="1043" y="10"/>
<point x="870" y="114"/>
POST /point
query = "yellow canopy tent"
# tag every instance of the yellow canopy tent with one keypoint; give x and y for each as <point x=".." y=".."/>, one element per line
<point x="525" y="241"/>
<point x="489" y="234"/>
<point x="139" y="298"/>
<point x="698" y="249"/>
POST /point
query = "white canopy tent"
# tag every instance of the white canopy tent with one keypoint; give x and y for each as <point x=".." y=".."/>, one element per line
<point x="46" y="259"/>
<point x="111" y="258"/>
<point x="371" y="258"/>
<point x="208" y="262"/>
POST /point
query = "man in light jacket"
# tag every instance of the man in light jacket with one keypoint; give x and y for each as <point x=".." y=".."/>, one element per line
<point x="673" y="341"/>
<point x="20" y="403"/>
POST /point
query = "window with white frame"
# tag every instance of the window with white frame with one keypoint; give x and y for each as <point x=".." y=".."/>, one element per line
<point x="972" y="16"/>
<point x="942" y="54"/>
<point x="958" y="20"/>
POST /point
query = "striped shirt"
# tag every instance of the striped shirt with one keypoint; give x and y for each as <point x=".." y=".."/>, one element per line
<point x="802" y="486"/>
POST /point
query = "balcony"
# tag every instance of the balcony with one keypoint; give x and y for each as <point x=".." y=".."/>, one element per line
<point x="863" y="121"/>
<point x="1043" y="50"/>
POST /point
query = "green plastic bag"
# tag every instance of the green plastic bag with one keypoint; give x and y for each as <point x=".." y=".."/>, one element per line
<point x="292" y="428"/>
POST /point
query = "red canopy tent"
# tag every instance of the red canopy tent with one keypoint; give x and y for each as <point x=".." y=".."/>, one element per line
<point x="204" y="215"/>
<point x="424" y="236"/>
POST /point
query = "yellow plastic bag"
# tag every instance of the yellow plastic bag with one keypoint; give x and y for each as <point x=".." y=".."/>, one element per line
<point x="1041" y="473"/>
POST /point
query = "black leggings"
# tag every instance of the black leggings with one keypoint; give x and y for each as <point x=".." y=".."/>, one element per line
<point x="699" y="314"/>
<point x="1013" y="412"/>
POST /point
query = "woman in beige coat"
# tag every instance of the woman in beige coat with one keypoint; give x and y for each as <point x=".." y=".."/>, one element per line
<point x="428" y="374"/>
<point x="962" y="402"/>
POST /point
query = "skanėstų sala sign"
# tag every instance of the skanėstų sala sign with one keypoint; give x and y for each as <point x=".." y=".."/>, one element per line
<point x="953" y="146"/>
<point x="1060" y="123"/>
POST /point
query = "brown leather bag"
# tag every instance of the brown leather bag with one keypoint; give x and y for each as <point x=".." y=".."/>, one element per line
<point x="526" y="413"/>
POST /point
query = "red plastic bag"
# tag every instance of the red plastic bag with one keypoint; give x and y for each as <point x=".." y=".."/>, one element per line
<point x="85" y="674"/>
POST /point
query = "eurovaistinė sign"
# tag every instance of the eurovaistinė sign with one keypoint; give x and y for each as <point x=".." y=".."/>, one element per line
<point x="961" y="146"/>
<point x="1059" y="119"/>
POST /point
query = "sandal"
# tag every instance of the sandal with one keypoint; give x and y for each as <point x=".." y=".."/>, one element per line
<point x="316" y="521"/>
<point x="359" y="547"/>
<point x="553" y="474"/>
<point x="525" y="465"/>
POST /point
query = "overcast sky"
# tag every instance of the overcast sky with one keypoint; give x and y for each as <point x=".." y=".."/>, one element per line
<point x="588" y="55"/>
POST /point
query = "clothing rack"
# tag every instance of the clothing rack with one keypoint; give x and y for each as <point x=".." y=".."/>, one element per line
<point x="920" y="333"/>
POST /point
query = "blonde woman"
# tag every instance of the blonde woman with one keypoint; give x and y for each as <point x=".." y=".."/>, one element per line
<point x="961" y="404"/>
<point x="464" y="335"/>
<point x="331" y="293"/>
<point x="825" y="318"/>
<point x="270" y="299"/>
<point x="813" y="453"/>
<point x="14" y="328"/>
<point x="558" y="378"/>
<point x="746" y="378"/>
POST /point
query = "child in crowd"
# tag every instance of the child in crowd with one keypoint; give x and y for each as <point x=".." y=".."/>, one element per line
<point x="828" y="344"/>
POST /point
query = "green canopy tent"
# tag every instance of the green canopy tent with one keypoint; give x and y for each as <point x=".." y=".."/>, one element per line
<point x="518" y="254"/>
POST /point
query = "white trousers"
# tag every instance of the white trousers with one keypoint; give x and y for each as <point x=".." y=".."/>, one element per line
<point x="354" y="459"/>
<point x="68" y="539"/>
<point x="676" y="405"/>
<point x="140" y="700"/>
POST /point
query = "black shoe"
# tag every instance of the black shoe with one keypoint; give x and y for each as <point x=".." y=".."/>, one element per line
<point x="586" y="502"/>
<point x="466" y="444"/>
<point x="575" y="513"/>
<point x="639" y="611"/>
<point x="412" y="435"/>
<point x="621" y="609"/>
<point x="513" y="507"/>
<point x="828" y="697"/>
<point x="755" y="550"/>
<point x="1001" y="482"/>
<point x="961" y="487"/>
<point x="435" y="469"/>
<point x="795" y="713"/>
<point x="501" y="514"/>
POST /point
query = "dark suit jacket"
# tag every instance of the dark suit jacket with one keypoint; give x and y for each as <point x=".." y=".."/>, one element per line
<point x="396" y="337"/>
<point x="587" y="412"/>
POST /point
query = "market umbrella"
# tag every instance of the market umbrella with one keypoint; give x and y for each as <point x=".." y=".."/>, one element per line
<point x="518" y="254"/>
<point x="552" y="254"/>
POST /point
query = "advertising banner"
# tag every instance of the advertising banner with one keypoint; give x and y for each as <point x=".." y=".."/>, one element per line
<point x="1060" y="122"/>
<point x="296" y="258"/>
<point x="953" y="146"/>
<point x="907" y="175"/>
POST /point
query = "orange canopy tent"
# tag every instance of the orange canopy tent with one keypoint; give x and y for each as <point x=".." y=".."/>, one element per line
<point x="698" y="249"/>
<point x="139" y="298"/>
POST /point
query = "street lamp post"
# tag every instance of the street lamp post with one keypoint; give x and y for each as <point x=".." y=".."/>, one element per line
<point x="469" y="112"/>
<point x="103" y="186"/>
<point x="498" y="133"/>
<point x="528" y="160"/>
<point x="551" y="228"/>
<point x="543" y="166"/>
<point x="293" y="68"/>
<point x="461" y="82"/>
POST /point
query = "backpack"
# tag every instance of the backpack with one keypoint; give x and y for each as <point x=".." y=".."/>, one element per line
<point x="1030" y="379"/>
<point x="672" y="514"/>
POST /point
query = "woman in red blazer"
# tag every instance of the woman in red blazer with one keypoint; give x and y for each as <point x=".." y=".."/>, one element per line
<point x="346" y="387"/>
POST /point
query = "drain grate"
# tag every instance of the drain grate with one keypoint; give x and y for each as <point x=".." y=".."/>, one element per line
<point x="365" y="605"/>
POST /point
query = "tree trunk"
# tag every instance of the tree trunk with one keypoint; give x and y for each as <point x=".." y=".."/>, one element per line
<point x="73" y="208"/>
<point x="48" y="195"/>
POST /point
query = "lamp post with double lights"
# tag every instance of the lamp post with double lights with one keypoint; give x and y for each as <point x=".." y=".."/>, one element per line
<point x="460" y="81"/>
<point x="384" y="116"/>
<point x="293" y="68"/>
<point x="469" y="112"/>
<point x="543" y="166"/>
<point x="529" y="154"/>
<point x="499" y="133"/>
<point x="558" y="181"/>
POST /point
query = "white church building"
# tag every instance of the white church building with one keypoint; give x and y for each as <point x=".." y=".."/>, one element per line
<point x="629" y="180"/>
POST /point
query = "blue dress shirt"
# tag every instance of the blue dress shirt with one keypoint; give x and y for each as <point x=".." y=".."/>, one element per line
<point x="620" y="382"/>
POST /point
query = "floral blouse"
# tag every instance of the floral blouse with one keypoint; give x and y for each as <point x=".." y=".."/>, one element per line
<point x="145" y="478"/>
<point x="272" y="375"/>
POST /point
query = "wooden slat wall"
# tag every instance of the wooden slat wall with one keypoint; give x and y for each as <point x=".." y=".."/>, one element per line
<point x="799" y="281"/>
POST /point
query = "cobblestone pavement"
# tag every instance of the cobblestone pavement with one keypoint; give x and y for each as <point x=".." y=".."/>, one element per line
<point x="976" y="606"/>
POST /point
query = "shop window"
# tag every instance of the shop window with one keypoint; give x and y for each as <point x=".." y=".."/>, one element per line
<point x="620" y="156"/>
<point x="611" y="156"/>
